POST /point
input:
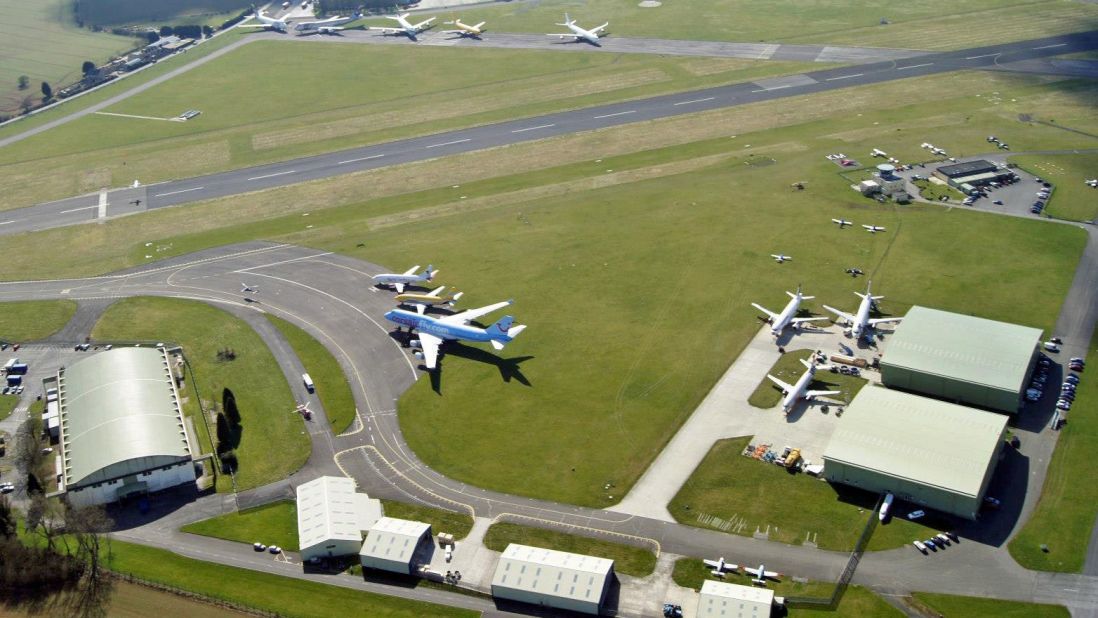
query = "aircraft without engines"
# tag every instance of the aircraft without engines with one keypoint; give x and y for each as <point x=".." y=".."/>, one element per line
<point x="778" y="321"/>
<point x="720" y="567"/>
<point x="399" y="280"/>
<point x="762" y="575"/>
<point x="842" y="222"/>
<point x="428" y="299"/>
<point x="579" y="34"/>
<point x="409" y="30"/>
<point x="873" y="229"/>
<point x="434" y="331"/>
<point x="268" y="23"/>
<point x="331" y="25"/>
<point x="795" y="392"/>
<point x="781" y="257"/>
<point x="464" y="29"/>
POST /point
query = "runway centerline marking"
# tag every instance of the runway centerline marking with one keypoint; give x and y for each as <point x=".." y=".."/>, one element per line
<point x="457" y="141"/>
<point x="695" y="101"/>
<point x="982" y="56"/>
<point x="774" y="88"/>
<point x="63" y="212"/>
<point x="378" y="156"/>
<point x="831" y="79"/>
<point x="7" y="222"/>
<point x="1051" y="46"/>
<point x="914" y="66"/>
<point x="179" y="191"/>
<point x="272" y="175"/>
<point x="632" y="111"/>
<point x="540" y="126"/>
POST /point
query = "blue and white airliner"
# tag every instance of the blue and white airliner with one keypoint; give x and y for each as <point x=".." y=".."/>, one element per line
<point x="433" y="331"/>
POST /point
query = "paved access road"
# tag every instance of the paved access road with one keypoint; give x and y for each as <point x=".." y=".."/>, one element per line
<point x="84" y="209"/>
<point x="330" y="296"/>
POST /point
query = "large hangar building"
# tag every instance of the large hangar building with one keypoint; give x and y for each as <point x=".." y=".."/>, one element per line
<point x="926" y="452"/>
<point x="961" y="358"/>
<point x="551" y="578"/>
<point x="122" y="430"/>
<point x="332" y="517"/>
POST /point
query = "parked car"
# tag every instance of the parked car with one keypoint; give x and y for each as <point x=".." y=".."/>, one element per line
<point x="274" y="549"/>
<point x="943" y="538"/>
<point x="1072" y="379"/>
<point x="931" y="545"/>
<point x="913" y="515"/>
<point x="919" y="545"/>
<point x="259" y="546"/>
<point x="992" y="502"/>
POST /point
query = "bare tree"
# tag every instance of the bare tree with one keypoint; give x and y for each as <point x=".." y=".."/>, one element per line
<point x="89" y="527"/>
<point x="7" y="518"/>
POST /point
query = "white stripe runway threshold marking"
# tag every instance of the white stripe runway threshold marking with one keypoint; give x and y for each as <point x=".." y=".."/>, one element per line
<point x="774" y="88"/>
<point x="457" y="141"/>
<point x="78" y="209"/>
<point x="7" y="222"/>
<point x="179" y="191"/>
<point x="982" y="56"/>
<point x="540" y="126"/>
<point x="695" y="101"/>
<point x="831" y="79"/>
<point x="632" y="111"/>
<point x="272" y="175"/>
<point x="360" y="159"/>
<point x="1051" y="46"/>
<point x="914" y="66"/>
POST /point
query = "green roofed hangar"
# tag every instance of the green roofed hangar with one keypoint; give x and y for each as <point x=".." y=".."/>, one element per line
<point x="961" y="358"/>
<point x="122" y="427"/>
<point x="927" y="452"/>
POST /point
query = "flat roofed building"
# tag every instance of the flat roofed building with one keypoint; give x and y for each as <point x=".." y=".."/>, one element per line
<point x="122" y="430"/>
<point x="332" y="517"/>
<point x="928" y="452"/>
<point x="396" y="545"/>
<point x="961" y="358"/>
<point x="966" y="168"/>
<point x="721" y="600"/>
<point x="552" y="578"/>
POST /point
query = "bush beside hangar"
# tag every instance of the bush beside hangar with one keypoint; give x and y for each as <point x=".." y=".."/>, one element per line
<point x="927" y="452"/>
<point x="961" y="358"/>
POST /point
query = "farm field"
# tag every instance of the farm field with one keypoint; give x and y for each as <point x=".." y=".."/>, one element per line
<point x="42" y="41"/>
<point x="331" y="382"/>
<point x="934" y="24"/>
<point x="261" y="393"/>
<point x="34" y="319"/>
<point x="1072" y="199"/>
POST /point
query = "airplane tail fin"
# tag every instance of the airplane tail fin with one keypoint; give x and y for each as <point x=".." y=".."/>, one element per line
<point x="429" y="273"/>
<point x="457" y="297"/>
<point x="503" y="332"/>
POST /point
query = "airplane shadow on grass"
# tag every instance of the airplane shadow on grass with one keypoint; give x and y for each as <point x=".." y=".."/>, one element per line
<point x="508" y="367"/>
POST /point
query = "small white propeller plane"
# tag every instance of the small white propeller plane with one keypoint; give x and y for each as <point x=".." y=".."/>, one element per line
<point x="842" y="222"/>
<point x="781" y="257"/>
<point x="398" y="281"/>
<point x="579" y="34"/>
<point x="463" y="29"/>
<point x="873" y="229"/>
<point x="778" y="321"/>
<point x="720" y="567"/>
<point x="407" y="29"/>
<point x="761" y="575"/>
<point x="245" y="288"/>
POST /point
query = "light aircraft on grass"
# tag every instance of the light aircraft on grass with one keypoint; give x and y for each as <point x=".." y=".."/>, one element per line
<point x="873" y="229"/>
<point x="408" y="29"/>
<point x="854" y="271"/>
<point x="761" y="575"/>
<point x="325" y="26"/>
<point x="780" y="257"/>
<point x="795" y="392"/>
<point x="720" y="567"/>
<point x="434" y="331"/>
<point x="268" y="23"/>
<point x="579" y="34"/>
<point x="398" y="281"/>
<point x="860" y="322"/>
<point x="842" y="222"/>
<point x="474" y="30"/>
<point x="1092" y="182"/>
<point x="778" y="321"/>
<point x="429" y="299"/>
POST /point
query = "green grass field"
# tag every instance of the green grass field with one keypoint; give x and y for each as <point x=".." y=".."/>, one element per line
<point x="1065" y="513"/>
<point x="932" y="24"/>
<point x="331" y="383"/>
<point x="627" y="559"/>
<point x="270" y="524"/>
<point x="272" y="443"/>
<point x="7" y="405"/>
<point x="457" y="524"/>
<point x="159" y="13"/>
<point x="949" y="606"/>
<point x="1072" y="199"/>
<point x="41" y="40"/>
<point x="285" y="596"/>
<point x="753" y="495"/>
<point x="934" y="192"/>
<point x="789" y="369"/>
<point x="34" y="319"/>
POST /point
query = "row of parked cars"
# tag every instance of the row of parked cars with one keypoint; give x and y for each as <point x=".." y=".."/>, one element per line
<point x="1042" y="197"/>
<point x="941" y="540"/>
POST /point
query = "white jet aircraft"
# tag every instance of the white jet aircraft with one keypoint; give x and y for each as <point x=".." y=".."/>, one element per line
<point x="325" y="26"/>
<point x="425" y="300"/>
<point x="720" y="567"/>
<point x="761" y="575"/>
<point x="398" y="281"/>
<point x="579" y="34"/>
<point x="778" y="321"/>
<point x="860" y="322"/>
<point x="796" y="392"/>
<point x="434" y="331"/>
<point x="474" y="30"/>
<point x="268" y="23"/>
<point x="842" y="222"/>
<point x="873" y="229"/>
<point x="407" y="29"/>
<point x="781" y="257"/>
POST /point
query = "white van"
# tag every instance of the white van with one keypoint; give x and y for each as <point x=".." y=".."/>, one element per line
<point x="309" y="386"/>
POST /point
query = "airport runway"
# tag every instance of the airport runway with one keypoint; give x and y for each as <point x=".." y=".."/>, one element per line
<point x="171" y="193"/>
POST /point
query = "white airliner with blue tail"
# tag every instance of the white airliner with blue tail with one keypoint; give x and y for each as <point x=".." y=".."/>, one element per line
<point x="408" y="277"/>
<point x="433" y="331"/>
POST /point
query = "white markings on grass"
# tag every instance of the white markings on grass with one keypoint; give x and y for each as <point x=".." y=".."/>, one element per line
<point x="695" y="101"/>
<point x="632" y="111"/>
<point x="831" y="79"/>
<point x="179" y="191"/>
<point x="1051" y="46"/>
<point x="65" y="212"/>
<point x="540" y="126"/>
<point x="913" y="66"/>
<point x="982" y="56"/>
<point x="272" y="175"/>
<point x="360" y="159"/>
<point x="457" y="141"/>
<point x="141" y="117"/>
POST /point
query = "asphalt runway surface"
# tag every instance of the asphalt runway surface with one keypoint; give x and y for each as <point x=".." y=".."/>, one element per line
<point x="84" y="208"/>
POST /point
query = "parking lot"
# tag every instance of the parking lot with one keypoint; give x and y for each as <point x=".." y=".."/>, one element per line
<point x="1017" y="198"/>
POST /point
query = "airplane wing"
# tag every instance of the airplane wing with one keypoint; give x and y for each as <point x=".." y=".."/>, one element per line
<point x="252" y="25"/>
<point x="752" y="571"/>
<point x="771" y="574"/>
<point x="600" y="28"/>
<point x="785" y="387"/>
<point x="420" y="307"/>
<point x="437" y="291"/>
<point x="563" y="36"/>
<point x="811" y="394"/>
<point x="842" y="314"/>
<point x="384" y="30"/>
<point x="773" y="316"/>
<point x="711" y="563"/>
<point x="399" y="287"/>
<point x="877" y="321"/>
<point x="412" y="270"/>
<point x="430" y="345"/>
<point x="423" y="24"/>
<point x="472" y="314"/>
<point x="803" y="320"/>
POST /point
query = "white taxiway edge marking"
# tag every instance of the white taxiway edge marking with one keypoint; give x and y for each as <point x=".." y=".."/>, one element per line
<point x="914" y="66"/>
<point x="1051" y="46"/>
<point x="540" y="126"/>
<point x="7" y="222"/>
<point x="179" y="191"/>
<point x="695" y="101"/>
<point x="831" y="79"/>
<point x="982" y="56"/>
<point x="457" y="141"/>
<point x="64" y="212"/>
<point x="360" y="159"/>
<point x="632" y="111"/>
<point x="272" y="175"/>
